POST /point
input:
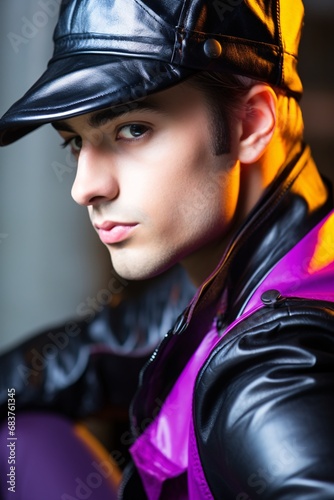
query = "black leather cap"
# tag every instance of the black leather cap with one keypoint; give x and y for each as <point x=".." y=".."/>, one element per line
<point x="109" y="52"/>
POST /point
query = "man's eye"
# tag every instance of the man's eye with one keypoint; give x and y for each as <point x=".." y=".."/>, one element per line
<point x="75" y="144"/>
<point x="133" y="131"/>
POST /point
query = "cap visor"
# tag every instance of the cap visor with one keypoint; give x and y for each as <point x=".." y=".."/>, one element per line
<point x="83" y="83"/>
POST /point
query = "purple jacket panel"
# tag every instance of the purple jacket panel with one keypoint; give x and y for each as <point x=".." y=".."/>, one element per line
<point x="161" y="452"/>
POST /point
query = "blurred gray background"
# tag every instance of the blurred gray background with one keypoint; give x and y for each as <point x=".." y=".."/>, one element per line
<point x="51" y="260"/>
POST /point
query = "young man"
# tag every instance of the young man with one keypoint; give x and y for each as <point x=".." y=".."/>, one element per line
<point x="185" y="123"/>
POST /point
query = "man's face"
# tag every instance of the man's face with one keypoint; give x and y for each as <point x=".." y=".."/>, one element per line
<point x="155" y="190"/>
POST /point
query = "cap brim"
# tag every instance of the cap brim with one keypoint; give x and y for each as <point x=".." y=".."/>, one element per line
<point x="87" y="82"/>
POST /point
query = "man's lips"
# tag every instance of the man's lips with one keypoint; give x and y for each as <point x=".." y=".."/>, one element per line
<point x="114" y="232"/>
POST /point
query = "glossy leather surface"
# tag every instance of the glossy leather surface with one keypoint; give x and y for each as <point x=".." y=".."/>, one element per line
<point x="86" y="366"/>
<point x="111" y="52"/>
<point x="269" y="434"/>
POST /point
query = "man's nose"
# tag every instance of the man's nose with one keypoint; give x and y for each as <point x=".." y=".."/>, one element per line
<point x="95" y="180"/>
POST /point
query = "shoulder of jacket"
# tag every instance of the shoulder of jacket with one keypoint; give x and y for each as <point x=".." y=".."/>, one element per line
<point x="291" y="317"/>
<point x="261" y="394"/>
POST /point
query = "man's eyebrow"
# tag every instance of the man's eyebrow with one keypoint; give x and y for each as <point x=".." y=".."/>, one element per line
<point x="100" y="118"/>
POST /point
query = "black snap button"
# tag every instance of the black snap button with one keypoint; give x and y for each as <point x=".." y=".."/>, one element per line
<point x="212" y="48"/>
<point x="271" y="297"/>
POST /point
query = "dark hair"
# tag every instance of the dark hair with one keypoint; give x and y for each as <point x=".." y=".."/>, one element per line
<point x="224" y="93"/>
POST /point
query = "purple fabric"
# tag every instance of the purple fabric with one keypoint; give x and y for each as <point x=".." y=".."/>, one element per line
<point x="51" y="462"/>
<point x="168" y="446"/>
<point x="161" y="452"/>
<point x="307" y="271"/>
<point x="198" y="488"/>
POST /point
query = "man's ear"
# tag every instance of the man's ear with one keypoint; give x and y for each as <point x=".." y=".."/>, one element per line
<point x="257" y="123"/>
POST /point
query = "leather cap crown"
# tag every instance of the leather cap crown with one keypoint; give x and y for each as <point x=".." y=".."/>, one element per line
<point x="109" y="52"/>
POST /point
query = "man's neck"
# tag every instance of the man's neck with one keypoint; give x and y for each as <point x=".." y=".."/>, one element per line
<point x="256" y="177"/>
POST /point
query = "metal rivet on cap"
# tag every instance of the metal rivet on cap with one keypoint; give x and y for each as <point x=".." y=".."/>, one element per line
<point x="212" y="48"/>
<point x="271" y="297"/>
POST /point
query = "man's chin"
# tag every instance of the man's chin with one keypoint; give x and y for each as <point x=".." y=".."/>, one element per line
<point x="134" y="271"/>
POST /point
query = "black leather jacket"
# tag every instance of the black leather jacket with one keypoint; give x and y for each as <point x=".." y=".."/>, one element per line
<point x="263" y="403"/>
<point x="90" y="365"/>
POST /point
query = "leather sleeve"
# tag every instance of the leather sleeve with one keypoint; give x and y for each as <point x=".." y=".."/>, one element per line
<point x="264" y="407"/>
<point x="83" y="367"/>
